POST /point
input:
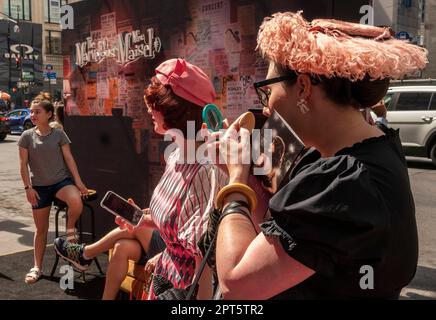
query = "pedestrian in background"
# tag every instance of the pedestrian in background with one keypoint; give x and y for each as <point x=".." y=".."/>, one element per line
<point x="46" y="151"/>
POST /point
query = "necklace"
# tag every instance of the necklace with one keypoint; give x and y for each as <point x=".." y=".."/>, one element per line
<point x="43" y="135"/>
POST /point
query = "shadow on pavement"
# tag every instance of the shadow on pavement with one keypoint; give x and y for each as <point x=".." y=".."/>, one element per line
<point x="14" y="227"/>
<point x="425" y="280"/>
<point x="15" y="266"/>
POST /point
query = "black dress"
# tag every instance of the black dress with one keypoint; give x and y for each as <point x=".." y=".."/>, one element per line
<point x="338" y="214"/>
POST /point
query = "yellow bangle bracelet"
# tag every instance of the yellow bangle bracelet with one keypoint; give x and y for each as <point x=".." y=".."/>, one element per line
<point x="237" y="188"/>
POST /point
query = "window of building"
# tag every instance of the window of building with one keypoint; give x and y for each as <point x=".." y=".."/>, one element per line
<point x="413" y="101"/>
<point x="53" y="42"/>
<point x="52" y="11"/>
<point x="18" y="9"/>
<point x="406" y="3"/>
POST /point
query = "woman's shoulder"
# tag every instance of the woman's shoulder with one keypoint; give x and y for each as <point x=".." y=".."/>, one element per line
<point x="58" y="130"/>
<point x="28" y="132"/>
<point x="27" y="135"/>
<point x="328" y="168"/>
<point x="325" y="180"/>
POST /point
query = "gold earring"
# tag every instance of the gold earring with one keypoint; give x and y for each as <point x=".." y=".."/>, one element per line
<point x="302" y="104"/>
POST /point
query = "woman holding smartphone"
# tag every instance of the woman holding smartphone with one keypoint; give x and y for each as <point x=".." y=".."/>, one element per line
<point x="46" y="151"/>
<point x="182" y="199"/>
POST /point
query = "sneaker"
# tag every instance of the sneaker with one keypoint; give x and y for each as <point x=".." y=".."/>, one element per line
<point x="72" y="252"/>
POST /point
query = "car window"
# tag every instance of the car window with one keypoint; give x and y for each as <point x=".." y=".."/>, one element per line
<point x="14" y="114"/>
<point x="433" y="102"/>
<point x="388" y="101"/>
<point x="413" y="101"/>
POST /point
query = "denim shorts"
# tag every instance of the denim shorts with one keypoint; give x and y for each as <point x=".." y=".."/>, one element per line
<point x="48" y="194"/>
<point x="157" y="245"/>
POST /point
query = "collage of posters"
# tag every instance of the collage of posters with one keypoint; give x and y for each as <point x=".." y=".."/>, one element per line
<point x="105" y="74"/>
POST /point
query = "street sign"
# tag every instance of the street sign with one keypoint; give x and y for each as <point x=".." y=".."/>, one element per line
<point x="28" y="76"/>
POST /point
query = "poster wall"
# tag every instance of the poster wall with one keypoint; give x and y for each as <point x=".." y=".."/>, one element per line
<point x="117" y="44"/>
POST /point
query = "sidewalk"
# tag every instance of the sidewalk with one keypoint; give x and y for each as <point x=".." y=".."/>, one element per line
<point x="17" y="226"/>
<point x="16" y="221"/>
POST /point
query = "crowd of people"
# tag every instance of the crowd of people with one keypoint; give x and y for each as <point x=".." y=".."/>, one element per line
<point x="345" y="204"/>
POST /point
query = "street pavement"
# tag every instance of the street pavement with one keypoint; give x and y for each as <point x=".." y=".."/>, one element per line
<point x="16" y="221"/>
<point x="17" y="227"/>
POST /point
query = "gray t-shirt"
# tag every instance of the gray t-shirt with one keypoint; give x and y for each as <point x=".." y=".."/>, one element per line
<point x="46" y="160"/>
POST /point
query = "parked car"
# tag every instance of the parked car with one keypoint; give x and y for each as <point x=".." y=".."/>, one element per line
<point x="19" y="120"/>
<point x="4" y="127"/>
<point x="412" y="109"/>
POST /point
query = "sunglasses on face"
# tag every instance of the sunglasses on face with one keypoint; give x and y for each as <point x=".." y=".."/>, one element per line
<point x="264" y="92"/>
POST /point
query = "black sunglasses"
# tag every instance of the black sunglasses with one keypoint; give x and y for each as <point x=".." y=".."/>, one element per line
<point x="264" y="94"/>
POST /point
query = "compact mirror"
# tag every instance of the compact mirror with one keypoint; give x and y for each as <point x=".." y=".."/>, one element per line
<point x="213" y="118"/>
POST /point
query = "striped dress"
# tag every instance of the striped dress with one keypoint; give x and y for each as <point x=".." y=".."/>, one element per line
<point x="179" y="207"/>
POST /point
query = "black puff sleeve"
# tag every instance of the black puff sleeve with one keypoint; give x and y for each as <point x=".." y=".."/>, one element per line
<point x="330" y="216"/>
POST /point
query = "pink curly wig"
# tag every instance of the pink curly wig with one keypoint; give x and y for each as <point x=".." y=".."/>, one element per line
<point x="334" y="48"/>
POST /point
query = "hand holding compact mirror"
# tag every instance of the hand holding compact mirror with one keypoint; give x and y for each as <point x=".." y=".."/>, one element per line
<point x="213" y="118"/>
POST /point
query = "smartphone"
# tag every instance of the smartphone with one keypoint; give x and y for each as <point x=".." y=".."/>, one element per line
<point x="260" y="118"/>
<point x="119" y="206"/>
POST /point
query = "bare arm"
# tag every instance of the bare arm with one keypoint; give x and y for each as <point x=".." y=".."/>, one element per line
<point x="31" y="194"/>
<point x="71" y="164"/>
<point x="251" y="266"/>
<point x="254" y="269"/>
<point x="205" y="289"/>
<point x="24" y="169"/>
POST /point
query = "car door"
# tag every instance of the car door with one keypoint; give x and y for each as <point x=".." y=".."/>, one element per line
<point x="432" y="113"/>
<point x="15" y="120"/>
<point x="411" y="115"/>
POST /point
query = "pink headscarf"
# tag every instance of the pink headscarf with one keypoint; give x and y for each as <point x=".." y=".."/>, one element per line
<point x="187" y="81"/>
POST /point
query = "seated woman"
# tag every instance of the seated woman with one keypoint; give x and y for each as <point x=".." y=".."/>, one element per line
<point x="346" y="215"/>
<point x="182" y="199"/>
<point x="54" y="175"/>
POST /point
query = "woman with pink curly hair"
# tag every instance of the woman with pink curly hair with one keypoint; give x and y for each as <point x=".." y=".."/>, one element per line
<point x="345" y="215"/>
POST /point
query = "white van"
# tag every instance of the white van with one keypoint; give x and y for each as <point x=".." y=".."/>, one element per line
<point x="412" y="109"/>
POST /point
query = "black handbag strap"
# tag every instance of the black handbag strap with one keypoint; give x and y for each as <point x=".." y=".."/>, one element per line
<point x="201" y="269"/>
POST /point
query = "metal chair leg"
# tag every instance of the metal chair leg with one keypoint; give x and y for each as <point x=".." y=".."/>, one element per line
<point x="55" y="265"/>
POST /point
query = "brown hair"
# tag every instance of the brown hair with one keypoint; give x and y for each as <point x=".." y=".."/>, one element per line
<point x="45" y="101"/>
<point x="360" y="94"/>
<point x="176" y="111"/>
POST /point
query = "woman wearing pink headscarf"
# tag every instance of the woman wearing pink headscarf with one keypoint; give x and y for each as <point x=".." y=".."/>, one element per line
<point x="181" y="201"/>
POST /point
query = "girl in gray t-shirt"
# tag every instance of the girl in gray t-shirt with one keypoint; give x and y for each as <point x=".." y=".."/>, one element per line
<point x="54" y="174"/>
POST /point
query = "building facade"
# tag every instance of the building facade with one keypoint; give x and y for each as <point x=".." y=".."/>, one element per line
<point x="412" y="20"/>
<point x="38" y="66"/>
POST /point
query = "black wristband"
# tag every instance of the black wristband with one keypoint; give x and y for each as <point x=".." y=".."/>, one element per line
<point x="236" y="207"/>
